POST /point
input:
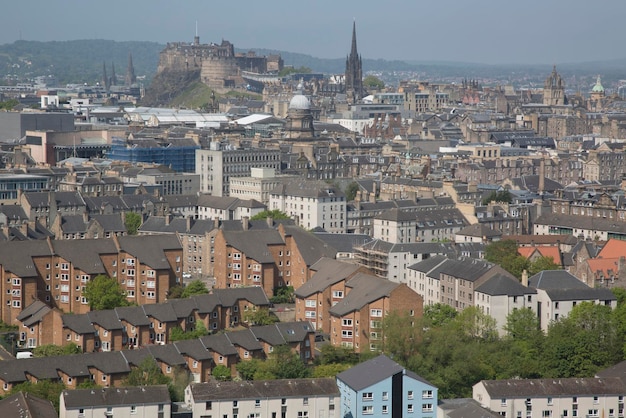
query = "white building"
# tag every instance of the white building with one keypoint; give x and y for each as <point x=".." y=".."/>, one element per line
<point x="559" y="291"/>
<point x="312" y="204"/>
<point x="258" y="186"/>
<point x="216" y="166"/>
<point x="552" y="398"/>
<point x="128" y="402"/>
<point x="227" y="208"/>
<point x="312" y="398"/>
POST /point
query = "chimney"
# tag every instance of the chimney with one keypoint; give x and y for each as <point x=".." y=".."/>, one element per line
<point x="168" y="218"/>
<point x="216" y="223"/>
<point x="245" y="222"/>
<point x="270" y="221"/>
<point x="525" y="278"/>
<point x="542" y="176"/>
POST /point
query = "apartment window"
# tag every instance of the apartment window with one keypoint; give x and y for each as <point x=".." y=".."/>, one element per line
<point x="257" y="403"/>
<point x="347" y="322"/>
<point x="409" y="408"/>
<point x="150" y="294"/>
<point x="367" y="410"/>
<point x="310" y="303"/>
<point x="338" y="294"/>
<point x="376" y="313"/>
<point x="595" y="400"/>
<point x="17" y="282"/>
<point x="346" y="334"/>
<point x="428" y="394"/>
<point x="367" y="396"/>
<point x="208" y="405"/>
<point x="592" y="412"/>
<point x="385" y="409"/>
<point x="546" y="413"/>
<point x="427" y="407"/>
<point x="133" y="409"/>
<point x="410" y="394"/>
<point x="305" y="401"/>
<point x="385" y="396"/>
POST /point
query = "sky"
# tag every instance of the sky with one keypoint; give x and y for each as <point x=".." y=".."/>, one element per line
<point x="480" y="31"/>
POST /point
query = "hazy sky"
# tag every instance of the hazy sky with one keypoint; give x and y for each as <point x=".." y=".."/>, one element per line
<point x="485" y="31"/>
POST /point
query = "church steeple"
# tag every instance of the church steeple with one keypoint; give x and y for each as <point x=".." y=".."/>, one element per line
<point x="354" y="71"/>
<point x="105" y="79"/>
<point x="130" y="78"/>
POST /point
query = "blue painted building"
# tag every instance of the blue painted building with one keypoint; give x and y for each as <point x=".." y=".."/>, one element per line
<point x="382" y="388"/>
<point x="181" y="157"/>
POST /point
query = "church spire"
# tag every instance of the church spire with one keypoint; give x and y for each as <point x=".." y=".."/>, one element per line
<point x="353" y="50"/>
<point x="105" y="79"/>
<point x="130" y="78"/>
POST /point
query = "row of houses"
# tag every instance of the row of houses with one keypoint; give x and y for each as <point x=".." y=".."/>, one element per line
<point x="198" y="357"/>
<point x="57" y="272"/>
<point x="134" y="327"/>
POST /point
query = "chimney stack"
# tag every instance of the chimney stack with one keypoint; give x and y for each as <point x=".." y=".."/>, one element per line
<point x="542" y="176"/>
<point x="525" y="278"/>
<point x="245" y="222"/>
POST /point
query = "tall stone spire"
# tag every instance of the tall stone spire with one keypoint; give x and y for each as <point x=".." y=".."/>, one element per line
<point x="130" y="72"/>
<point x="113" y="76"/>
<point x="354" y="71"/>
<point x="105" y="79"/>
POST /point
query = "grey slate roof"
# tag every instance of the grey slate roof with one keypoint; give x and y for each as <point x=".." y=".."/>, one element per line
<point x="327" y="273"/>
<point x="528" y="388"/>
<point x="85" y="254"/>
<point x="110" y="223"/>
<point x="33" y="313"/>
<point x="263" y="389"/>
<point x="311" y="247"/>
<point x="73" y="224"/>
<point x="365" y="289"/>
<point x="464" y="408"/>
<point x="24" y="404"/>
<point x="254" y="243"/>
<point x="343" y="243"/>
<point x="370" y="372"/>
<point x="80" y="398"/>
<point x="150" y="249"/>
<point x="17" y="256"/>
<point x="500" y="284"/>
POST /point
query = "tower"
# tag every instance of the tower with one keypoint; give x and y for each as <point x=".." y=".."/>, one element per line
<point x="130" y="72"/>
<point x="105" y="79"/>
<point x="554" y="90"/>
<point x="113" y="76"/>
<point x="354" y="71"/>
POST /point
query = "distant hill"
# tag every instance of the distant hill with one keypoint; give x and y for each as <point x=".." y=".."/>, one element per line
<point x="77" y="61"/>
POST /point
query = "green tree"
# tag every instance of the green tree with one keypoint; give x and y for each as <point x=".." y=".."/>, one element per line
<point x="439" y="314"/>
<point x="401" y="336"/>
<point x="132" y="222"/>
<point x="542" y="263"/>
<point x="196" y="287"/>
<point x="351" y="191"/>
<point x="274" y="214"/>
<point x="292" y="70"/>
<point x="9" y="104"/>
<point x="247" y="369"/>
<point x="330" y="370"/>
<point x="261" y="316"/>
<point x="283" y="294"/>
<point x="282" y="364"/>
<point x="333" y="355"/>
<point x="503" y="196"/>
<point x="221" y="372"/>
<point x="373" y="82"/>
<point x="49" y="350"/>
<point x="178" y="334"/>
<point x="104" y="292"/>
<point x="175" y="292"/>
<point x="504" y="253"/>
<point x="146" y="374"/>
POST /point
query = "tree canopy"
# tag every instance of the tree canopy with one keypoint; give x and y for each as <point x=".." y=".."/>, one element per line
<point x="49" y="350"/>
<point x="196" y="287"/>
<point x="351" y="191"/>
<point x="132" y="222"/>
<point x="104" y="292"/>
<point x="503" y="196"/>
<point x="293" y="70"/>
<point x="372" y="82"/>
<point x="274" y="214"/>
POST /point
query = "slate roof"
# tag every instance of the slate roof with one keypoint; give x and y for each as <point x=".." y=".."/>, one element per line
<point x="533" y="388"/>
<point x="561" y="285"/>
<point x="500" y="284"/>
<point x="17" y="256"/>
<point x="26" y="405"/>
<point x="150" y="249"/>
<point x="85" y="254"/>
<point x="396" y="215"/>
<point x="306" y="188"/>
<point x="33" y="313"/>
<point x="479" y="230"/>
<point x="464" y="408"/>
<point x="311" y="248"/>
<point x="110" y="223"/>
<point x="327" y="273"/>
<point x="370" y="372"/>
<point x="263" y="389"/>
<point x="80" y="398"/>
<point x="365" y="289"/>
<point x="254" y="243"/>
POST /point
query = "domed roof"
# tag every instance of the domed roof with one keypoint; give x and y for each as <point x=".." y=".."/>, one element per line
<point x="299" y="102"/>
<point x="598" y="88"/>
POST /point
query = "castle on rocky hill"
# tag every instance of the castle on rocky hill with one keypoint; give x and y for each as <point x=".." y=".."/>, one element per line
<point x="219" y="66"/>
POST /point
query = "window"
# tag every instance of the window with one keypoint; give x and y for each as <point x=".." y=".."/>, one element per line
<point x="338" y="294"/>
<point x="305" y="401"/>
<point x="133" y="409"/>
<point x="346" y="334"/>
<point x="592" y="412"/>
<point x="347" y="322"/>
<point x="428" y="394"/>
<point x="367" y="396"/>
<point x="208" y="405"/>
<point x="385" y="396"/>
<point x="546" y="413"/>
<point x="410" y="394"/>
<point x="409" y="408"/>
<point x="310" y="303"/>
<point x="257" y="403"/>
<point x="376" y="313"/>
<point x="367" y="410"/>
<point x="17" y="281"/>
<point x="595" y="400"/>
<point x="385" y="410"/>
<point x="549" y="401"/>
<point x="427" y="407"/>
